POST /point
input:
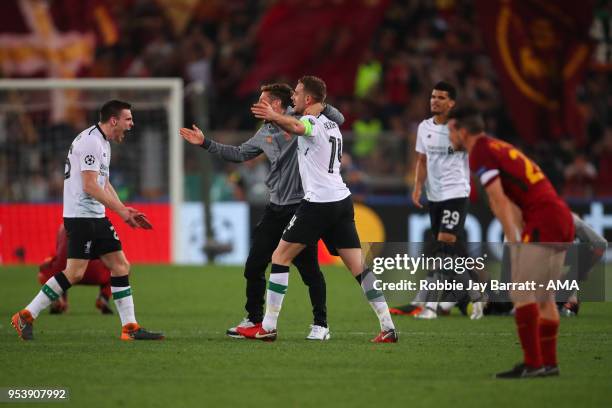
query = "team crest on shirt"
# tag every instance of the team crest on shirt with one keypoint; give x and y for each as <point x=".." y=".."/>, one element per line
<point x="269" y="139"/>
<point x="311" y="120"/>
<point x="451" y="150"/>
<point x="89" y="160"/>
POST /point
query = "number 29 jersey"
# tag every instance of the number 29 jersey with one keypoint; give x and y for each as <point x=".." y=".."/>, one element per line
<point x="319" y="155"/>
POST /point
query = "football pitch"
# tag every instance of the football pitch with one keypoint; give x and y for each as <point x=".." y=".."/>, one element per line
<point x="436" y="363"/>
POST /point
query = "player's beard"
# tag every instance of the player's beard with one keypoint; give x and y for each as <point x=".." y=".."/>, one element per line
<point x="120" y="136"/>
<point x="299" y="108"/>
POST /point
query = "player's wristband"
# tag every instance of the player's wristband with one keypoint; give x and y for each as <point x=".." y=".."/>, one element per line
<point x="206" y="144"/>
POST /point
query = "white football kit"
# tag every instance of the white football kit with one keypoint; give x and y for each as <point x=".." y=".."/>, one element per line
<point x="90" y="150"/>
<point x="448" y="172"/>
<point x="319" y="154"/>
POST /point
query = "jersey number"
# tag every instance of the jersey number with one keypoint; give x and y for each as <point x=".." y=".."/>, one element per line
<point x="336" y="150"/>
<point x="450" y="218"/>
<point x="67" y="165"/>
<point x="532" y="172"/>
<point x="67" y="168"/>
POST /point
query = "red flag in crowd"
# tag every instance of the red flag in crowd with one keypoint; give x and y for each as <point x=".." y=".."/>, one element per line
<point x="321" y="38"/>
<point x="540" y="49"/>
<point x="53" y="38"/>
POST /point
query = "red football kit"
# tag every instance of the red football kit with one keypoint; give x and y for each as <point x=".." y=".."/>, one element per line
<point x="547" y="218"/>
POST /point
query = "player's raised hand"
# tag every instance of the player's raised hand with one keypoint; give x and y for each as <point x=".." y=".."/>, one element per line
<point x="416" y="197"/>
<point x="263" y="110"/>
<point x="194" y="136"/>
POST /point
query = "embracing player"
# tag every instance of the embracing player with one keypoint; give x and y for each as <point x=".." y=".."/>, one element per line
<point x="286" y="193"/>
<point x="87" y="194"/>
<point x="325" y="212"/>
<point x="537" y="249"/>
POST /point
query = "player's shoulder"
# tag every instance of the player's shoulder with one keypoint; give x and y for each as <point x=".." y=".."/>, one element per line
<point x="427" y="122"/>
<point x="313" y="120"/>
<point x="428" y="125"/>
<point x="484" y="150"/>
<point x="423" y="124"/>
<point x="483" y="144"/>
<point x="90" y="137"/>
<point x="268" y="129"/>
<point x="313" y="124"/>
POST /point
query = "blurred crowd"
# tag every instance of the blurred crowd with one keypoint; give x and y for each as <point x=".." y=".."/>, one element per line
<point x="417" y="44"/>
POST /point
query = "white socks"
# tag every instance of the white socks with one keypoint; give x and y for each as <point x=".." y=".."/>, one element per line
<point x="277" y="287"/>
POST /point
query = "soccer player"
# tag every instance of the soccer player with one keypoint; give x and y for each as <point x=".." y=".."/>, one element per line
<point x="96" y="274"/>
<point x="591" y="248"/>
<point x="446" y="175"/>
<point x="325" y="212"/>
<point x="511" y="178"/>
<point x="87" y="194"/>
<point x="285" y="195"/>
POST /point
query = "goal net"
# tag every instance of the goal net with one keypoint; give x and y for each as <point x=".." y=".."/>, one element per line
<point x="40" y="118"/>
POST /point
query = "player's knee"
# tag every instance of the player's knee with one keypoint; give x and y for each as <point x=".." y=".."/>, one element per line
<point x="255" y="269"/>
<point x="311" y="274"/>
<point x="447" y="237"/>
<point x="75" y="274"/>
<point x="280" y="257"/>
<point x="121" y="268"/>
<point x="521" y="297"/>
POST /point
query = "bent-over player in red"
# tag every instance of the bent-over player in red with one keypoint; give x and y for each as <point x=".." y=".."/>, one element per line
<point x="536" y="234"/>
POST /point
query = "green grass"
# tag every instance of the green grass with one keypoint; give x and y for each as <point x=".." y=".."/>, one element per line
<point x="436" y="363"/>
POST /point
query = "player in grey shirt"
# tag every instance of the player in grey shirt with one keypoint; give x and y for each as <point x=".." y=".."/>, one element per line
<point x="286" y="193"/>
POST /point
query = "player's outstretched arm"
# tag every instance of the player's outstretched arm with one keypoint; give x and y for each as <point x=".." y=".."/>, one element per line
<point x="503" y="210"/>
<point x="236" y="154"/>
<point x="263" y="110"/>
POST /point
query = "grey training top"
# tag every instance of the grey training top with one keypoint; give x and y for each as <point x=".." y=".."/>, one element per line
<point x="280" y="147"/>
<point x="586" y="234"/>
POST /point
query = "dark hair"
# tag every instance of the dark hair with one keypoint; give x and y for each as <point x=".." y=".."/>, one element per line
<point x="279" y="91"/>
<point x="446" y="87"/>
<point x="314" y="86"/>
<point x="469" y="118"/>
<point x="112" y="108"/>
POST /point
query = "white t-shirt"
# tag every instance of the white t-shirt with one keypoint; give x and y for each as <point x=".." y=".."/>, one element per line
<point x="448" y="171"/>
<point x="89" y="151"/>
<point x="319" y="153"/>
